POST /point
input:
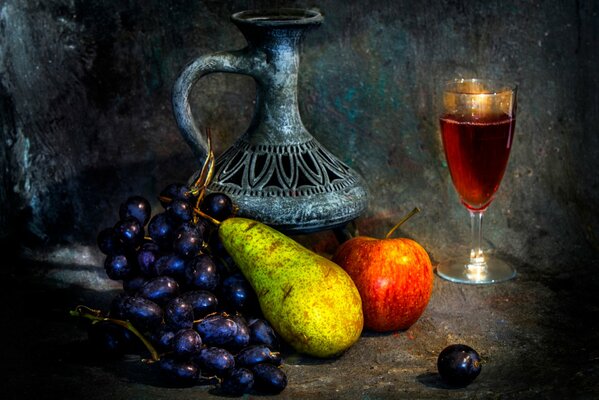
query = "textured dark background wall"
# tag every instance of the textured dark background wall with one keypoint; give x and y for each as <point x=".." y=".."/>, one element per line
<point x="86" y="120"/>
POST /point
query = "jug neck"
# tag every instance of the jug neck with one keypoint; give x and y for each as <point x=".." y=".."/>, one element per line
<point x="273" y="44"/>
<point x="277" y="110"/>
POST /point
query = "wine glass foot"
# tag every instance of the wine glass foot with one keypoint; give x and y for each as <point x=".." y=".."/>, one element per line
<point x="490" y="271"/>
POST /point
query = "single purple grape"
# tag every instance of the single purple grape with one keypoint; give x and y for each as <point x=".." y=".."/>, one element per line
<point x="178" y="372"/>
<point x="242" y="337"/>
<point x="170" y="265"/>
<point x="118" y="267"/>
<point x="186" y="343"/>
<point x="238" y="381"/>
<point x="175" y="191"/>
<point x="136" y="207"/>
<point x="203" y="302"/>
<point x="215" y="361"/>
<point x="180" y="211"/>
<point x="257" y="354"/>
<point x="161" y="229"/>
<point x="108" y="243"/>
<point x="217" y="330"/>
<point x="187" y="242"/>
<point x="147" y="255"/>
<point x="238" y="294"/>
<point x="178" y="314"/>
<point x="262" y="333"/>
<point x="201" y="273"/>
<point x="162" y="338"/>
<point x="130" y="232"/>
<point x="144" y="314"/>
<point x="217" y="205"/>
<point x="459" y="364"/>
<point x="269" y="378"/>
<point x="160" y="290"/>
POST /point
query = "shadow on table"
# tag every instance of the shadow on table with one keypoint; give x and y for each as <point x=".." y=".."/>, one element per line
<point x="433" y="380"/>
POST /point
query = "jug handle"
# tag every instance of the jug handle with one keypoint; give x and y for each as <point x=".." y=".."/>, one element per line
<point x="224" y="61"/>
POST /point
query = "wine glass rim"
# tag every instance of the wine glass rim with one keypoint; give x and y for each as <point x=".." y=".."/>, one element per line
<point x="498" y="86"/>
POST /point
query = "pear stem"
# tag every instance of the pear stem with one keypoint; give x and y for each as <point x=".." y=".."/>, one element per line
<point x="416" y="210"/>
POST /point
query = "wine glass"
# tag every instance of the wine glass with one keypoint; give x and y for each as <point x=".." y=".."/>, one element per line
<point x="477" y="128"/>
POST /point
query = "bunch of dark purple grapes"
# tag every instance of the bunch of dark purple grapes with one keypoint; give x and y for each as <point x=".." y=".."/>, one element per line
<point x="184" y="297"/>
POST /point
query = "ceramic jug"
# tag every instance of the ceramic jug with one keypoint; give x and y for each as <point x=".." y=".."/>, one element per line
<point x="276" y="172"/>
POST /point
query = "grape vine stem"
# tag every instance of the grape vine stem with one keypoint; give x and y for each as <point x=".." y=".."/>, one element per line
<point x="96" y="316"/>
<point x="200" y="185"/>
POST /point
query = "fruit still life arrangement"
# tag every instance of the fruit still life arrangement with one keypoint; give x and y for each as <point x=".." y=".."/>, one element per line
<point x="210" y="298"/>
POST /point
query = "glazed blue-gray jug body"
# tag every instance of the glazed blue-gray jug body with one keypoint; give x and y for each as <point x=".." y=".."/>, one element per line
<point x="276" y="172"/>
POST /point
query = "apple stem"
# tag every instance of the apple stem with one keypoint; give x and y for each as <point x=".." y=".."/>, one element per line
<point x="416" y="210"/>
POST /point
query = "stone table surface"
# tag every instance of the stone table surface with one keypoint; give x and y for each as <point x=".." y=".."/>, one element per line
<point x="537" y="336"/>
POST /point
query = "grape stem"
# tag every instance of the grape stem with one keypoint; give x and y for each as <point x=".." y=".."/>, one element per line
<point x="206" y="216"/>
<point x="165" y="199"/>
<point x="201" y="183"/>
<point x="96" y="316"/>
<point x="416" y="210"/>
<point x="224" y="314"/>
<point x="205" y="175"/>
<point x="204" y="178"/>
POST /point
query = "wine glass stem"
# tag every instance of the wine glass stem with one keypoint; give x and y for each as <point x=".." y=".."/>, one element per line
<point x="477" y="258"/>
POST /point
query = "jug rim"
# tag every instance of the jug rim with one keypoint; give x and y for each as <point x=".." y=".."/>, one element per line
<point x="278" y="17"/>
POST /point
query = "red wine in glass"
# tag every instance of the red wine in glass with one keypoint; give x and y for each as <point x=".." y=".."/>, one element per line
<point x="477" y="152"/>
<point x="477" y="129"/>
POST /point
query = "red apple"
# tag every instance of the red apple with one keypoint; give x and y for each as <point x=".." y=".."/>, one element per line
<point x="393" y="275"/>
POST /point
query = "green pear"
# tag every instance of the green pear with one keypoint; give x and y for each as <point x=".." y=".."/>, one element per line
<point x="310" y="301"/>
